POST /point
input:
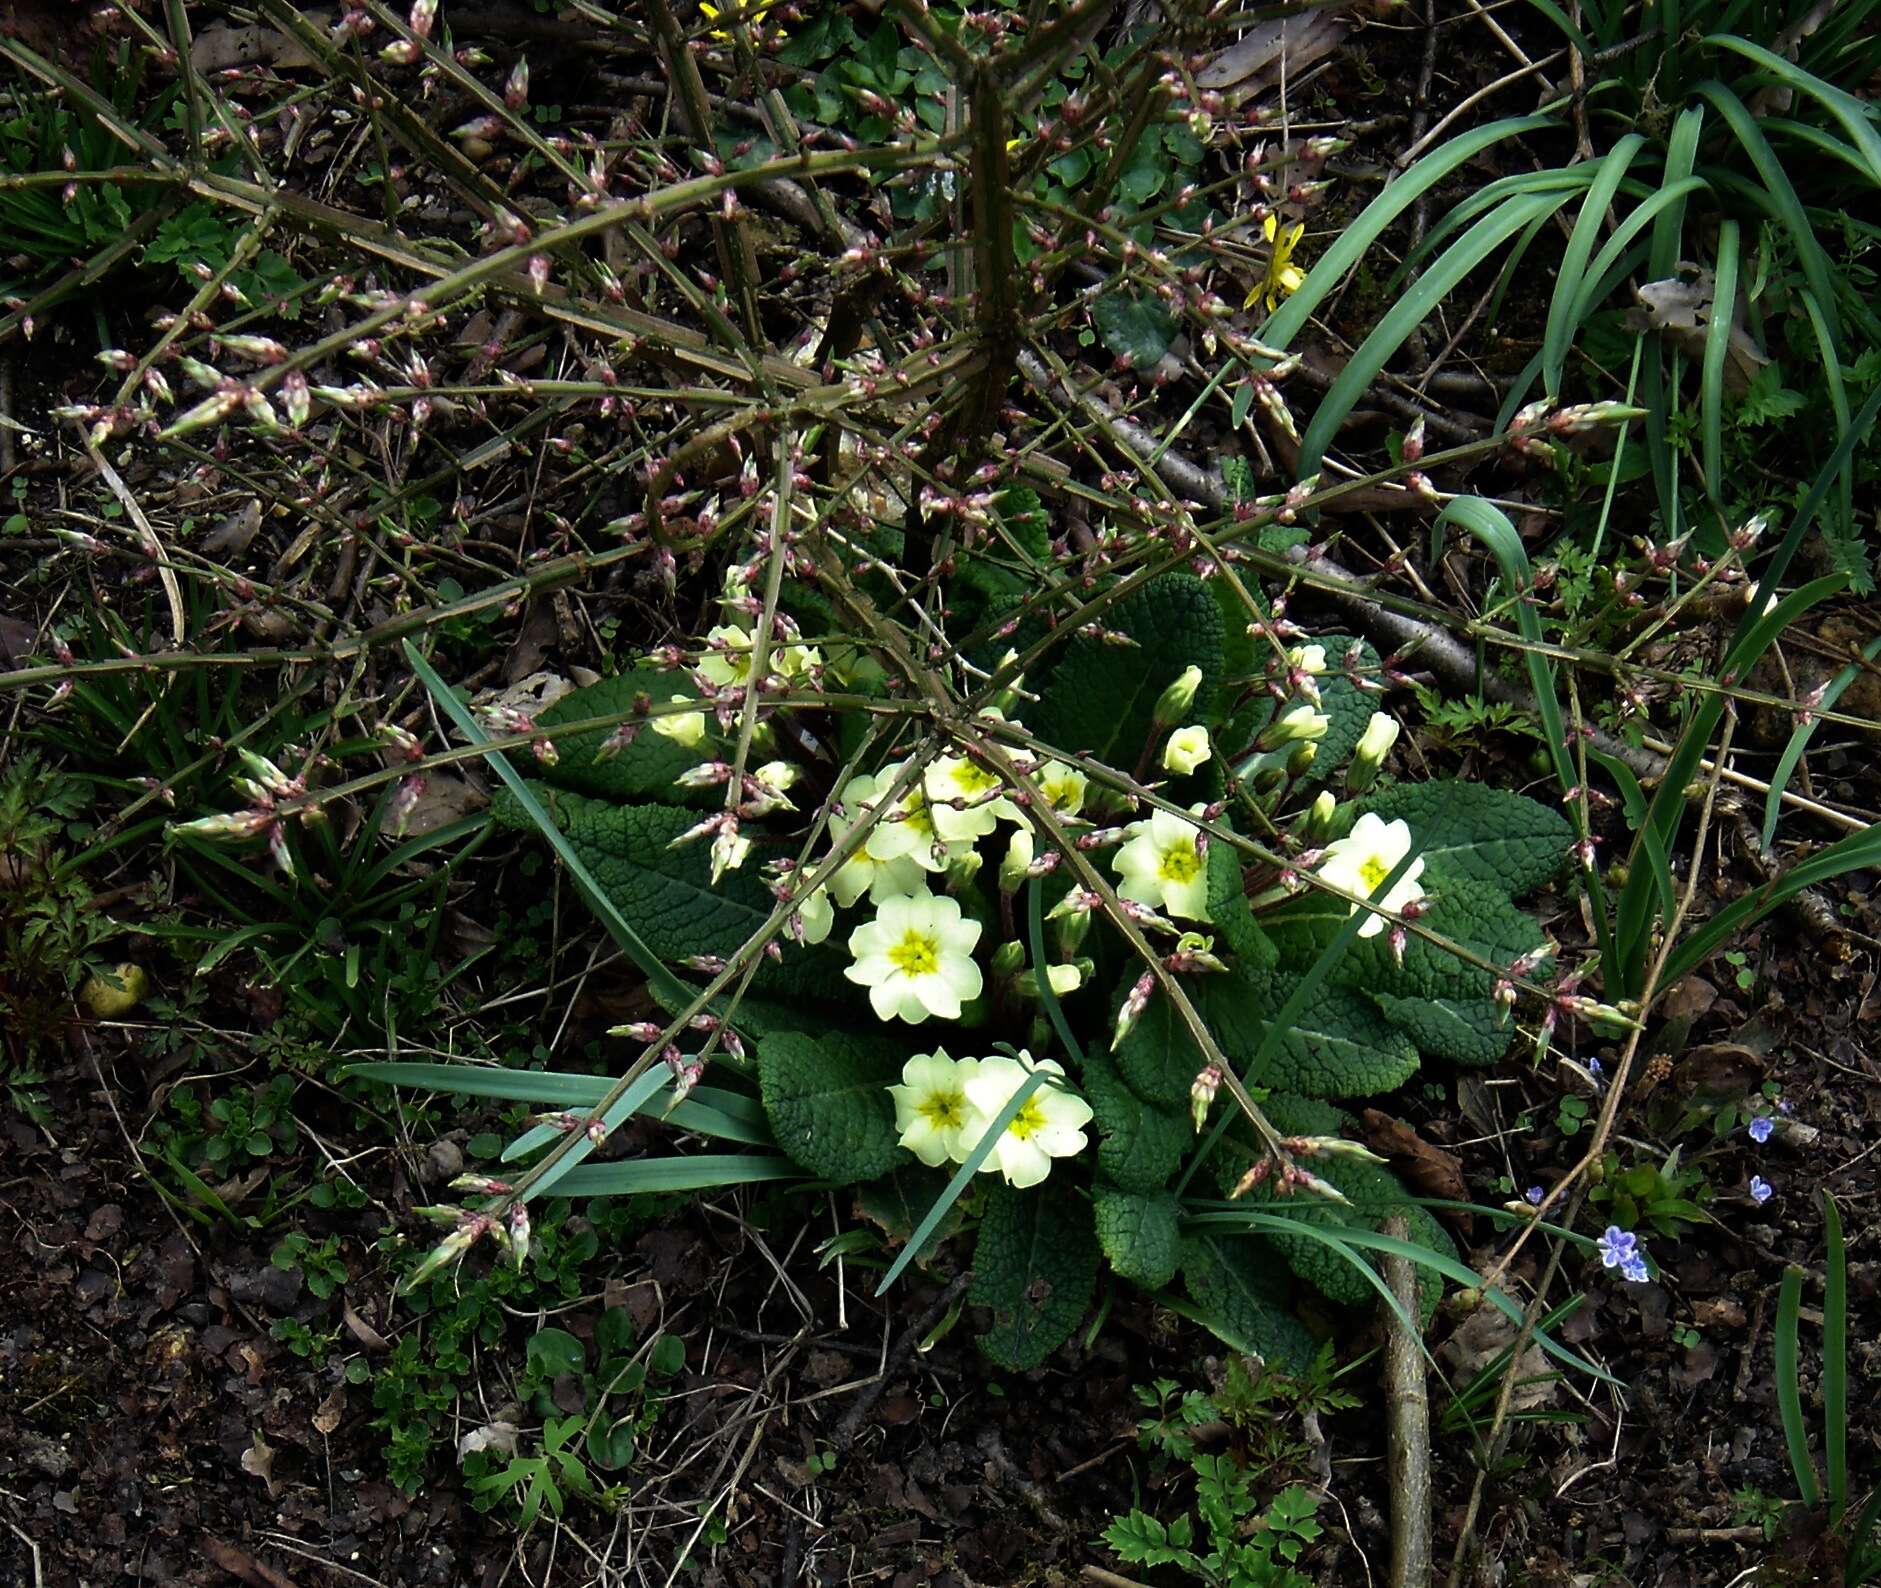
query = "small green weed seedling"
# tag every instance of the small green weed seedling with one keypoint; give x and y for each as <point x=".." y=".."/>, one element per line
<point x="620" y="1401"/>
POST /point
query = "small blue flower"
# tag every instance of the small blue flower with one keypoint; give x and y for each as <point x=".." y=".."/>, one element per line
<point x="1535" y="1195"/>
<point x="1761" y="1190"/>
<point x="1760" y="1128"/>
<point x="1634" y="1270"/>
<point x="1617" y="1247"/>
<point x="1783" y="1105"/>
<point x="1593" y="1069"/>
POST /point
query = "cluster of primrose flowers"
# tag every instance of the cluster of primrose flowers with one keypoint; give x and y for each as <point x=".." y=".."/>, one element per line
<point x="943" y="1106"/>
<point x="930" y="827"/>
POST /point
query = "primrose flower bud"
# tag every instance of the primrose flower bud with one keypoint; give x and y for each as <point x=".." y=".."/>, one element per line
<point x="1017" y="861"/>
<point x="1202" y="1093"/>
<point x="1007" y="958"/>
<point x="1186" y="750"/>
<point x="1071" y="931"/>
<point x="1063" y="980"/>
<point x="1319" y="815"/>
<point x="1295" y="724"/>
<point x="1174" y="702"/>
<point x="1368" y="755"/>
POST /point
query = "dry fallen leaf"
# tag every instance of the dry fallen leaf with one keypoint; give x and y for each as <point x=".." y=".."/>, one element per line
<point x="327" y="1417"/>
<point x="1428" y="1169"/>
<point x="1679" y="309"/>
<point x="362" y="1331"/>
<point x="498" y="1436"/>
<point x="1483" y="1336"/>
<point x="258" y="1461"/>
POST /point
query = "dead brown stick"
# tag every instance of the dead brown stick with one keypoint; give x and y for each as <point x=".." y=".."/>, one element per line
<point x="1407" y="1433"/>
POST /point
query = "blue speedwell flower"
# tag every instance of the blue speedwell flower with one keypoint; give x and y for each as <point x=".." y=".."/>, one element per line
<point x="1618" y="1247"/>
<point x="1761" y="1190"/>
<point x="1760" y="1128"/>
<point x="1535" y="1194"/>
<point x="1634" y="1270"/>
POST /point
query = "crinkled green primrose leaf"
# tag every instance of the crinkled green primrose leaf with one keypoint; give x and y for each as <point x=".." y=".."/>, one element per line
<point x="668" y="894"/>
<point x="1035" y="1266"/>
<point x="1140" y="1234"/>
<point x="1100" y="698"/>
<point x="1240" y="1288"/>
<point x="1441" y="1002"/>
<point x="1473" y="831"/>
<point x="1339" y="1046"/>
<point x="1140" y="1146"/>
<point x="1375" y="1194"/>
<point x="828" y="1101"/>
<point x="644" y="769"/>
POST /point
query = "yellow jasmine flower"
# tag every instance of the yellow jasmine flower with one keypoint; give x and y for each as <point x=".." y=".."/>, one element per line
<point x="1283" y="277"/>
<point x="752" y="13"/>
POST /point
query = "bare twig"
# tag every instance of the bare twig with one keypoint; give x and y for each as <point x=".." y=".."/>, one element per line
<point x="1408" y="1431"/>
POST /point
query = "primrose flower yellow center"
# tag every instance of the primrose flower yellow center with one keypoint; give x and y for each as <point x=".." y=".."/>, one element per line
<point x="916" y="958"/>
<point x="937" y="1120"/>
<point x="1161" y="866"/>
<point x="1049" y="1124"/>
<point x="1362" y="860"/>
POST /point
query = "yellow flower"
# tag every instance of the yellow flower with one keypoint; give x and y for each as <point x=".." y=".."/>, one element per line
<point x="752" y="13"/>
<point x="1283" y="277"/>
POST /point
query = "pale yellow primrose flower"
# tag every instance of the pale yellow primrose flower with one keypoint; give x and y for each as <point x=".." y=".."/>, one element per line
<point x="907" y="831"/>
<point x="732" y="664"/>
<point x="1063" y="786"/>
<point x="1050" y="1124"/>
<point x="1186" y="750"/>
<point x="816" y="915"/>
<point x="1365" y="857"/>
<point x="937" y="1122"/>
<point x="916" y="958"/>
<point x="958" y="777"/>
<point x="1161" y="866"/>
<point x="682" y="727"/>
<point x="862" y="873"/>
<point x="1308" y="658"/>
